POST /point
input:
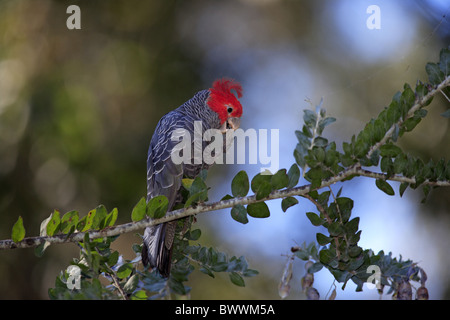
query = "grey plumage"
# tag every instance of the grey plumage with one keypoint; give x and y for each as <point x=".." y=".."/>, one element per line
<point x="216" y="108"/>
<point x="164" y="176"/>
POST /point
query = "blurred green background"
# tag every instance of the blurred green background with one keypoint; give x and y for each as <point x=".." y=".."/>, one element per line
<point x="78" y="108"/>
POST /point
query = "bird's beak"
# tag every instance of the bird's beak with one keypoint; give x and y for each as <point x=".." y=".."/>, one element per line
<point x="233" y="123"/>
<point x="230" y="124"/>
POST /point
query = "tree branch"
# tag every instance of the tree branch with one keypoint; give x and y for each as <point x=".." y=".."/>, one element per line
<point x="354" y="170"/>
<point x="201" y="208"/>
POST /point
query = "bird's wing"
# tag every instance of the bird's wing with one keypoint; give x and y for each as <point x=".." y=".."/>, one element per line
<point x="163" y="175"/>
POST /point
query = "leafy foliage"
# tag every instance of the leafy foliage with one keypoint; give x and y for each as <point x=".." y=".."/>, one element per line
<point x="127" y="279"/>
<point x="317" y="160"/>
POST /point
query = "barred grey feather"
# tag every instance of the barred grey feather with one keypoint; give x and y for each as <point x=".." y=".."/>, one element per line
<point x="164" y="176"/>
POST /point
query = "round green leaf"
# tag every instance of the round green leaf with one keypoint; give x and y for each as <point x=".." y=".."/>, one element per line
<point x="258" y="210"/>
<point x="288" y="202"/>
<point x="239" y="213"/>
<point x="315" y="219"/>
<point x="279" y="180"/>
<point x="157" y="207"/>
<point x="194" y="234"/>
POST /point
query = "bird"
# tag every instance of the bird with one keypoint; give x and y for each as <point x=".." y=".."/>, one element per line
<point x="215" y="108"/>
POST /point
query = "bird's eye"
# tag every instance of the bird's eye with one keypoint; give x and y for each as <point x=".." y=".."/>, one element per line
<point x="230" y="109"/>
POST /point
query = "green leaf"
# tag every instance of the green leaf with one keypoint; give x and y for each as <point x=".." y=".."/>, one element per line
<point x="261" y="185"/>
<point x="113" y="258"/>
<point x="354" y="238"/>
<point x="220" y="267"/>
<point x="325" y="122"/>
<point x="293" y="175"/>
<point x="124" y="270"/>
<point x="352" y="226"/>
<point x="40" y="249"/>
<point x="187" y="183"/>
<point x="335" y="229"/>
<point x="316" y="267"/>
<point x="322" y="239"/>
<point x="279" y="180"/>
<point x="426" y="190"/>
<point x="303" y="139"/>
<point x="111" y="218"/>
<point x="345" y="207"/>
<point x="444" y="63"/>
<point x="100" y="216"/>
<point x="258" y="210"/>
<point x="81" y="223"/>
<point x="207" y="271"/>
<point x="354" y="251"/>
<point x="18" y="231"/>
<point x="240" y="184"/>
<point x="139" y="210"/>
<point x="157" y="207"/>
<point x="288" y="202"/>
<point x="250" y="273"/>
<point x="139" y="295"/>
<point x="226" y="197"/>
<point x="410" y="124"/>
<point x="88" y="220"/>
<point x="315" y="219"/>
<point x="54" y="223"/>
<point x="131" y="284"/>
<point x="315" y="176"/>
<point x="402" y="188"/>
<point x="237" y="279"/>
<point x="194" y="234"/>
<point x="385" y="187"/>
<point x="390" y="150"/>
<point x="197" y="186"/>
<point x="197" y="193"/>
<point x="310" y="118"/>
<point x="299" y="154"/>
<point x="69" y="220"/>
<point x="326" y="256"/>
<point x="320" y="142"/>
<point x="435" y="75"/>
<point x="386" y="165"/>
<point x="239" y="213"/>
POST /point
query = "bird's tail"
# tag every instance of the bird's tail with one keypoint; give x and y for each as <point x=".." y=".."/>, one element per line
<point x="157" y="247"/>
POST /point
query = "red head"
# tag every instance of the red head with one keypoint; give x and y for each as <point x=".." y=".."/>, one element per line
<point x="223" y="101"/>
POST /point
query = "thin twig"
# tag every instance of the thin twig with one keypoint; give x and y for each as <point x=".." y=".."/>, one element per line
<point x="420" y="103"/>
